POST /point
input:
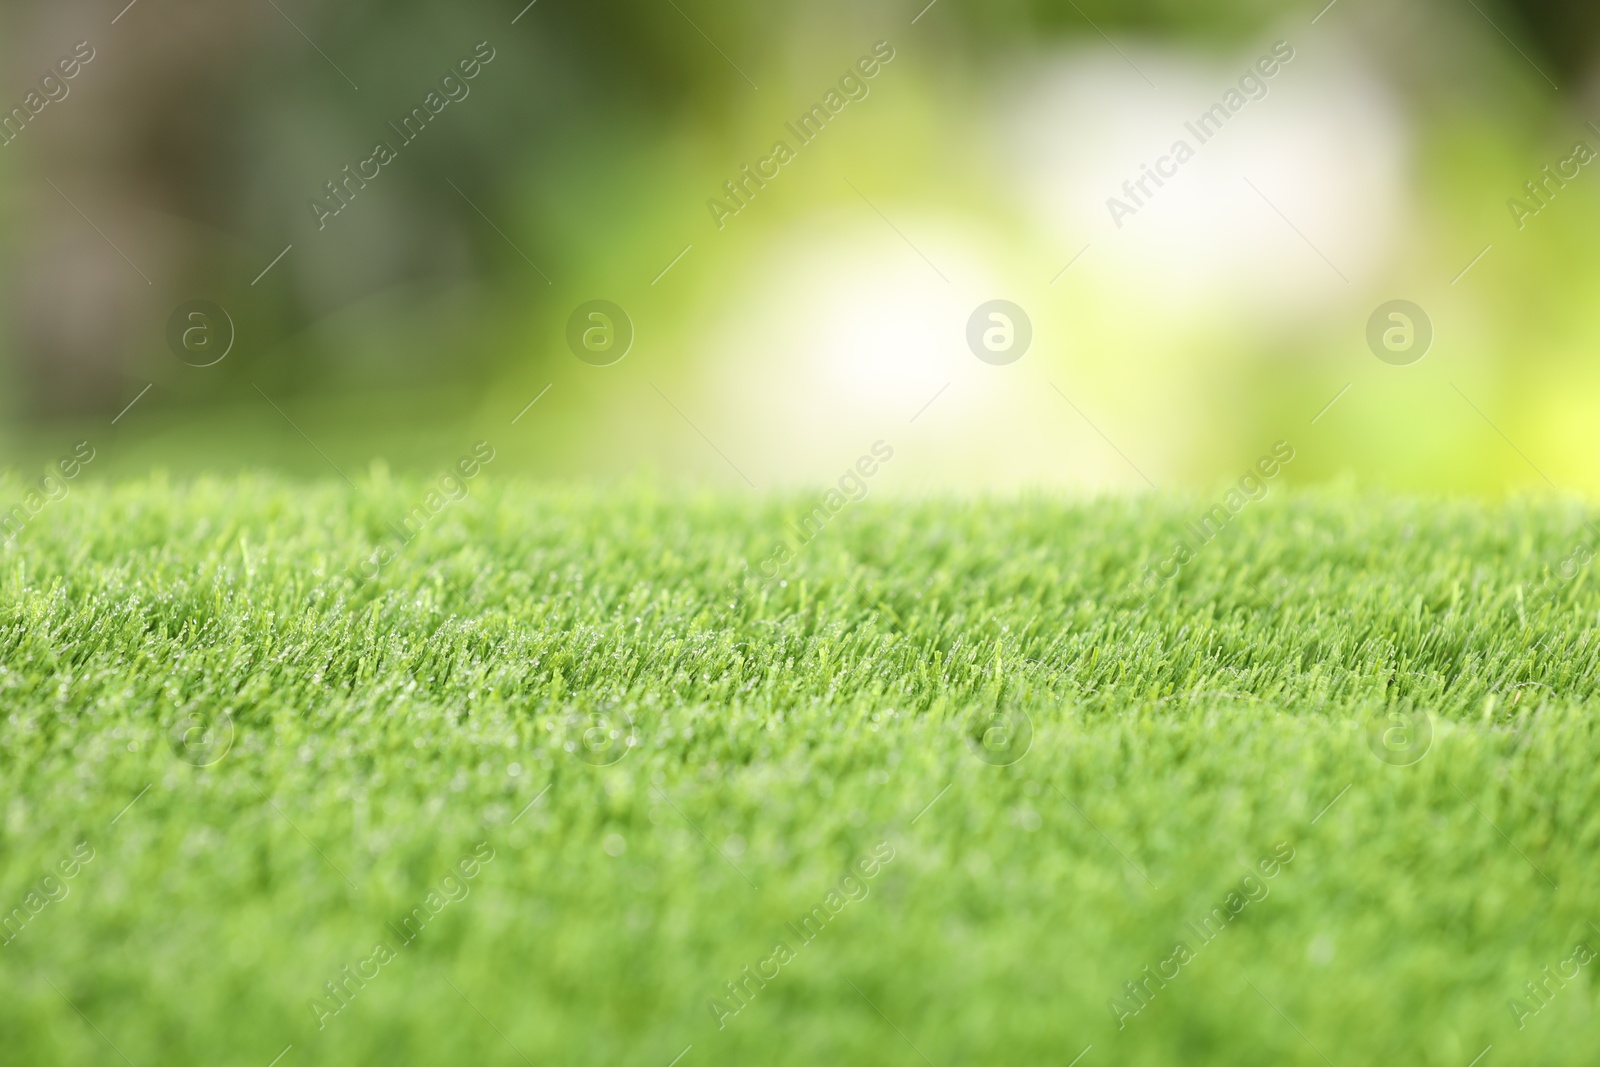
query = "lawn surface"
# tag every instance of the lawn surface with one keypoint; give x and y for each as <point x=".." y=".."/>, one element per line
<point x="553" y="780"/>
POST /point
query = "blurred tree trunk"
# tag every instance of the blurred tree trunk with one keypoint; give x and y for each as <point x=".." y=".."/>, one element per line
<point x="141" y="144"/>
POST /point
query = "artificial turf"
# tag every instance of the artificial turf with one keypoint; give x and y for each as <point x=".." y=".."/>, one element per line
<point x="566" y="769"/>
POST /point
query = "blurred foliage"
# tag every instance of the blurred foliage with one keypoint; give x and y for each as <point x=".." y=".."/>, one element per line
<point x="580" y="164"/>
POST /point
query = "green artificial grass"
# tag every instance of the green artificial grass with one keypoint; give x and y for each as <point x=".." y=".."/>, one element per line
<point x="567" y="784"/>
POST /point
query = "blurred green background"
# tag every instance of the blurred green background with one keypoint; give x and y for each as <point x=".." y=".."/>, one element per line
<point x="1177" y="348"/>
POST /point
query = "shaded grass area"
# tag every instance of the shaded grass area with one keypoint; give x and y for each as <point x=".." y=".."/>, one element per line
<point x="656" y="766"/>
